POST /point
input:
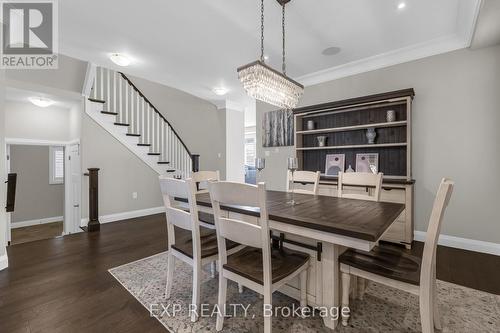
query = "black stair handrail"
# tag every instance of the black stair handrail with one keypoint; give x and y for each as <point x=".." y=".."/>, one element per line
<point x="156" y="110"/>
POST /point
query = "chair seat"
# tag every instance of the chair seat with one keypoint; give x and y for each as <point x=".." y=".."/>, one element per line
<point x="208" y="237"/>
<point x="248" y="263"/>
<point x="385" y="261"/>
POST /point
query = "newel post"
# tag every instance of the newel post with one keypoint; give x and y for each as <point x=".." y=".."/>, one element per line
<point x="196" y="162"/>
<point x="94" y="224"/>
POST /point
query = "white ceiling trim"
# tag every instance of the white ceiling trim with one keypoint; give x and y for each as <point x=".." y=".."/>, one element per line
<point x="413" y="52"/>
<point x="466" y="23"/>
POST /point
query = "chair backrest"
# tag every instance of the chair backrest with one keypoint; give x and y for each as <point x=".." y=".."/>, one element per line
<point x="255" y="235"/>
<point x="176" y="188"/>
<point x="303" y="177"/>
<point x="202" y="178"/>
<point x="367" y="179"/>
<point x="427" y="272"/>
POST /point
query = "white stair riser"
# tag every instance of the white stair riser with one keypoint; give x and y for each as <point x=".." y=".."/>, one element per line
<point x="106" y="121"/>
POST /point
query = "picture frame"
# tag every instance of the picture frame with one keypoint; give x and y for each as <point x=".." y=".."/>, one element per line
<point x="367" y="162"/>
<point x="334" y="164"/>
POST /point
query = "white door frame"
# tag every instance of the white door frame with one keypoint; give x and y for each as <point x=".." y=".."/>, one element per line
<point x="69" y="226"/>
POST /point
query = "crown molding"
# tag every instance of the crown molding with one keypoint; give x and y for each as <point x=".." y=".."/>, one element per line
<point x="467" y="15"/>
<point x="399" y="56"/>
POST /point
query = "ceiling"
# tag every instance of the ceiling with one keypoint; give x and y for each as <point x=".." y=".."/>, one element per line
<point x="23" y="95"/>
<point x="196" y="45"/>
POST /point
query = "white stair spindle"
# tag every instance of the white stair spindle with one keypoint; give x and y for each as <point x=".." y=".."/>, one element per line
<point x="100" y="75"/>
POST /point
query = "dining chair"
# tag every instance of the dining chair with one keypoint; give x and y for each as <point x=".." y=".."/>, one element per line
<point x="396" y="268"/>
<point x="257" y="266"/>
<point x="202" y="178"/>
<point x="305" y="177"/>
<point x="187" y="240"/>
<point x="366" y="179"/>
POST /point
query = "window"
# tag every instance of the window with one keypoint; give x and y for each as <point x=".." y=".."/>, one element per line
<point x="250" y="138"/>
<point x="250" y="153"/>
<point x="56" y="165"/>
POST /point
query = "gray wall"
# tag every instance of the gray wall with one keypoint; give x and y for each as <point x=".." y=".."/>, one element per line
<point x="69" y="76"/>
<point x="35" y="197"/>
<point x="199" y="123"/>
<point x="121" y="173"/>
<point x="455" y="133"/>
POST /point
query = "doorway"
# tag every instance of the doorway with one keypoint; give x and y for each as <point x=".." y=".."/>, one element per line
<point x="48" y="190"/>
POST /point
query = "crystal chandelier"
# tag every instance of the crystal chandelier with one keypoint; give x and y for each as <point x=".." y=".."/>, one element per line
<point x="266" y="84"/>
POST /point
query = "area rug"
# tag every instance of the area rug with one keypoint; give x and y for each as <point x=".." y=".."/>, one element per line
<point x="383" y="309"/>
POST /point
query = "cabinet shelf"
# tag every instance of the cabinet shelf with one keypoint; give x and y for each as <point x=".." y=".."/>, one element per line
<point x="376" y="145"/>
<point x="355" y="127"/>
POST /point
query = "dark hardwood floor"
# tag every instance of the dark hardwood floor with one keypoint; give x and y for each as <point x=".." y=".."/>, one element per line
<point x="62" y="284"/>
<point x="36" y="232"/>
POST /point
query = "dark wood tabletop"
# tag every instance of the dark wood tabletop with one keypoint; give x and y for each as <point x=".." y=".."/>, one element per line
<point x="366" y="220"/>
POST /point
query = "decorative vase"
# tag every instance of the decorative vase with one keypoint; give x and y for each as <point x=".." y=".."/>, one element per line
<point x="370" y="135"/>
<point x="310" y="125"/>
<point x="321" y="140"/>
<point x="390" y="116"/>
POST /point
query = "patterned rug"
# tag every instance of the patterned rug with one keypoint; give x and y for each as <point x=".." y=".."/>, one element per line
<point x="383" y="309"/>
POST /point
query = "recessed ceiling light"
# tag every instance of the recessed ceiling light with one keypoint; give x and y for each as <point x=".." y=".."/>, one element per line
<point x="331" y="51"/>
<point x="220" y="91"/>
<point x="401" y="5"/>
<point x="41" y="101"/>
<point x="120" y="59"/>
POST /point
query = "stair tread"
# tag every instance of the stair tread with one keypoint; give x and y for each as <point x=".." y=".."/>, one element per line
<point x="155" y="154"/>
<point x="110" y="112"/>
<point x="122" y="124"/>
<point x="144" y="144"/>
<point x="171" y="170"/>
<point x="163" y="162"/>
<point x="96" y="100"/>
<point x="133" y="134"/>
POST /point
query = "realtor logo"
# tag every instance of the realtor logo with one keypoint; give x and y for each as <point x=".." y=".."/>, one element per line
<point x="29" y="34"/>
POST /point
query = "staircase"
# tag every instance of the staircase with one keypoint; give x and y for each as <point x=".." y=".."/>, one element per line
<point x="118" y="105"/>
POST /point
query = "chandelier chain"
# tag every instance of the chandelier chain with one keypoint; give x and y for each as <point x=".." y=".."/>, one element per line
<point x="262" y="30"/>
<point x="283" y="66"/>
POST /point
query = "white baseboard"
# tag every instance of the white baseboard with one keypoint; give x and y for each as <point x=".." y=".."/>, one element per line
<point x="126" y="215"/>
<point x="463" y="243"/>
<point x="14" y="225"/>
<point x="4" y="262"/>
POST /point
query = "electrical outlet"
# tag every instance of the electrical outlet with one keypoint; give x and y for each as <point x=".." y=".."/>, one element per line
<point x="134" y="195"/>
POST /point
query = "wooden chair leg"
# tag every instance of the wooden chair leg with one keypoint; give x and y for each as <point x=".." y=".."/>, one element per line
<point x="196" y="291"/>
<point x="213" y="269"/>
<point x="346" y="280"/>
<point x="268" y="299"/>
<point x="354" y="286"/>
<point x="437" y="316"/>
<point x="361" y="287"/>
<point x="426" y="310"/>
<point x="170" y="274"/>
<point x="303" y="288"/>
<point x="221" y="301"/>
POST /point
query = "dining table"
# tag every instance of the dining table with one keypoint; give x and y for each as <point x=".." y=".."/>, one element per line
<point x="324" y="226"/>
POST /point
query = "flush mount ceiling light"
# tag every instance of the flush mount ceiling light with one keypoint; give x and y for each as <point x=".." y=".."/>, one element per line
<point x="220" y="91"/>
<point x="266" y="84"/>
<point x="401" y="5"/>
<point x="41" y="101"/>
<point x="120" y="59"/>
